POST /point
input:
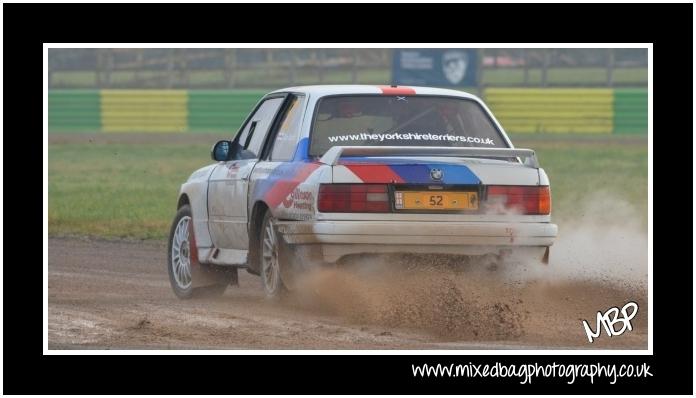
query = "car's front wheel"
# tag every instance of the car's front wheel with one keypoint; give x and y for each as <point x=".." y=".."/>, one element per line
<point x="182" y="260"/>
<point x="270" y="257"/>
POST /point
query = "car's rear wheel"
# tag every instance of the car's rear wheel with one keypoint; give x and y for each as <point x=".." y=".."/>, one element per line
<point x="181" y="262"/>
<point x="270" y="258"/>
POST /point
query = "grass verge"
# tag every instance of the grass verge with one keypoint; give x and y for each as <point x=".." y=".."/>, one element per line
<point x="127" y="188"/>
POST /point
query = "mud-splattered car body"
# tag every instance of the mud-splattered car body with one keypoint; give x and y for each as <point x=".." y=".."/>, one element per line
<point x="334" y="192"/>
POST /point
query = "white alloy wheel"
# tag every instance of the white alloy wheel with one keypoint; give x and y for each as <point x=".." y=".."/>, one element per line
<point x="181" y="254"/>
<point x="270" y="259"/>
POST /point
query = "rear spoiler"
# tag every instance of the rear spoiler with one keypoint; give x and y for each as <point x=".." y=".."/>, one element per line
<point x="332" y="156"/>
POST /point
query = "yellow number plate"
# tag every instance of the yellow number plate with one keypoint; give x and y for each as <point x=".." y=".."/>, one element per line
<point x="434" y="200"/>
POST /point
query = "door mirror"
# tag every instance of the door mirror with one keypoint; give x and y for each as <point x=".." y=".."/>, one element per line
<point x="222" y="151"/>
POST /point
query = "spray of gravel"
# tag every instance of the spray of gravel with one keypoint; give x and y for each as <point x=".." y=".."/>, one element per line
<point x="598" y="261"/>
<point x="412" y="292"/>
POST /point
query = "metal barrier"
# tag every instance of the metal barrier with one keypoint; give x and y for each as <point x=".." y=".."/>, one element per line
<point x="553" y="110"/>
<point x="74" y="110"/>
<point x="630" y="111"/>
<point x="157" y="111"/>
<point x="519" y="110"/>
<point x="220" y="111"/>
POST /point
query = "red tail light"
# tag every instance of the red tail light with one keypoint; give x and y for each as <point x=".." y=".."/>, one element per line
<point x="522" y="199"/>
<point x="353" y="198"/>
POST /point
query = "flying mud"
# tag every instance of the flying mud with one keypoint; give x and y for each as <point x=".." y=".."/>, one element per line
<point x="116" y="295"/>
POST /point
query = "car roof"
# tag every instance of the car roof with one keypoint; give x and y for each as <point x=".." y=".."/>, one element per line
<point x="335" y="89"/>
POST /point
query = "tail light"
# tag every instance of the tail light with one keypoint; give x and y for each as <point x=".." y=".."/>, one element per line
<point x="523" y="199"/>
<point x="353" y="198"/>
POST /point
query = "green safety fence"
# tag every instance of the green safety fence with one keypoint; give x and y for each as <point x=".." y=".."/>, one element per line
<point x="220" y="111"/>
<point x="74" y="110"/>
<point x="630" y="111"/>
<point x="519" y="110"/>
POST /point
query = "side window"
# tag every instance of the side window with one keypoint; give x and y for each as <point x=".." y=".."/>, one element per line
<point x="256" y="129"/>
<point x="289" y="131"/>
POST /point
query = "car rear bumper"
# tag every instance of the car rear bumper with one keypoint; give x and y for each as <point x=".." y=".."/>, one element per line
<point x="339" y="238"/>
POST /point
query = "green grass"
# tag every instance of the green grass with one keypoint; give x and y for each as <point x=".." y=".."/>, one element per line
<point x="130" y="190"/>
<point x="589" y="168"/>
<point x="118" y="190"/>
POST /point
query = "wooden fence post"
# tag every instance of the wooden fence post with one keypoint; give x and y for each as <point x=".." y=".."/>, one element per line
<point x="139" y="64"/>
<point x="321" y="65"/>
<point x="545" y="67"/>
<point x="479" y="71"/>
<point x="105" y="62"/>
<point x="293" y="67"/>
<point x="354" y="69"/>
<point x="170" y="67"/>
<point x="610" y="67"/>
<point x="525" y="57"/>
<point x="230" y="66"/>
<point x="183" y="64"/>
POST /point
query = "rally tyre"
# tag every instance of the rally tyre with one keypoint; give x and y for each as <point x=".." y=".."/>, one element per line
<point x="270" y="259"/>
<point x="179" y="260"/>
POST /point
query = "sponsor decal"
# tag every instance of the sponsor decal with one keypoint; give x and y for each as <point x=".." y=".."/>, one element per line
<point x="300" y="200"/>
<point x="364" y="138"/>
<point x="282" y="181"/>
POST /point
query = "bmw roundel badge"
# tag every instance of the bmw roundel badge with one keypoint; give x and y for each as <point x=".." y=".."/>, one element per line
<point x="436" y="174"/>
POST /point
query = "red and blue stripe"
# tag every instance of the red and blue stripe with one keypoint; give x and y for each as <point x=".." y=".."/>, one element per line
<point x="405" y="171"/>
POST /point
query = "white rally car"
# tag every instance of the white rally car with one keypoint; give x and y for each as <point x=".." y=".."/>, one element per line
<point x="317" y="173"/>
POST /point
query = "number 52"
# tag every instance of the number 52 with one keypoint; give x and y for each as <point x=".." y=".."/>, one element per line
<point x="436" y="200"/>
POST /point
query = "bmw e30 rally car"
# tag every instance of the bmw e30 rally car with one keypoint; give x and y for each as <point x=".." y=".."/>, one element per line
<point x="317" y="173"/>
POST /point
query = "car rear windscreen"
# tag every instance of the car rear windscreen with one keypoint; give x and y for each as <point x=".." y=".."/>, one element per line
<point x="369" y="120"/>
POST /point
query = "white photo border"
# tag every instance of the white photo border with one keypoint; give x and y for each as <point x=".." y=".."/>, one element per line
<point x="46" y="351"/>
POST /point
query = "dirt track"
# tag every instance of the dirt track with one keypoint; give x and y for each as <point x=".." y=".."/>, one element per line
<point x="111" y="295"/>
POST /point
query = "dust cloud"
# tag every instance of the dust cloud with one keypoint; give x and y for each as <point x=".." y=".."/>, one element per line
<point x="606" y="243"/>
<point x="600" y="260"/>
